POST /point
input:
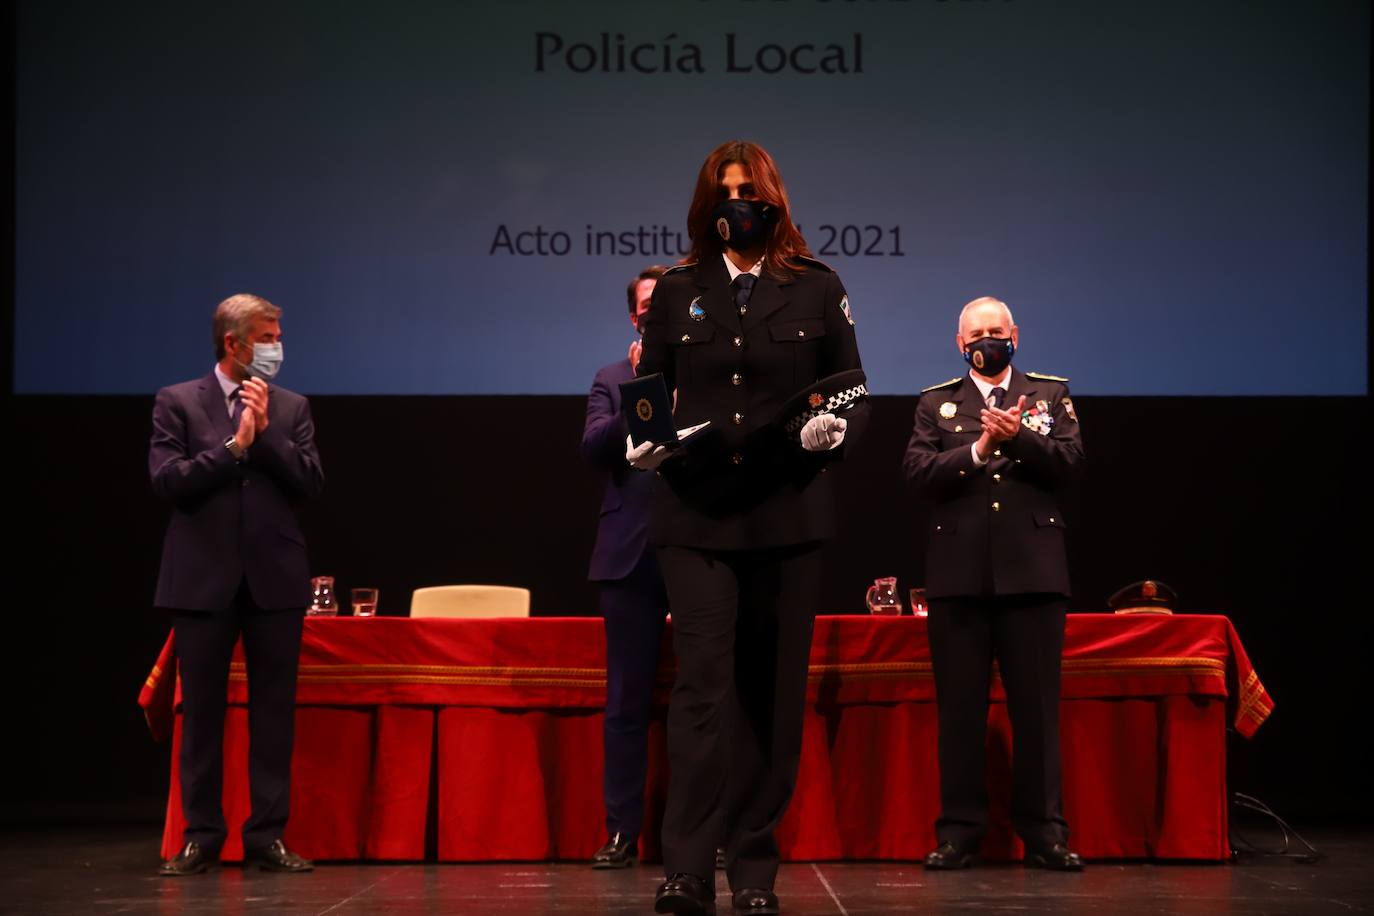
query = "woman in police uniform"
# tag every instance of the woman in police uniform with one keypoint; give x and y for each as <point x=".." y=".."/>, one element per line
<point x="747" y="321"/>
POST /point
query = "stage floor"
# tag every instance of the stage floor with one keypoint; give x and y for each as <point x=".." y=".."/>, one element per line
<point x="97" y="871"/>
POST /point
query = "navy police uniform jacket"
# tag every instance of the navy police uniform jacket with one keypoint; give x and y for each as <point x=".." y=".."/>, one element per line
<point x="998" y="529"/>
<point x="742" y="483"/>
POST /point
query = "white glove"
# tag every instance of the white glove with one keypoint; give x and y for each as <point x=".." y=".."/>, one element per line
<point x="823" y="433"/>
<point x="645" y="456"/>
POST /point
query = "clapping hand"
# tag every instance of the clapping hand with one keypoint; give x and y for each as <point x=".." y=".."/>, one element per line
<point x="999" y="426"/>
<point x="248" y="428"/>
<point x="254" y="396"/>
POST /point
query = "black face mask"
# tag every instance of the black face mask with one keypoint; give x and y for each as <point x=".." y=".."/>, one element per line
<point x="743" y="224"/>
<point x="990" y="355"/>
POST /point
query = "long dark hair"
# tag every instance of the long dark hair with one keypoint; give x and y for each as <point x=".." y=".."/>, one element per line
<point x="786" y="243"/>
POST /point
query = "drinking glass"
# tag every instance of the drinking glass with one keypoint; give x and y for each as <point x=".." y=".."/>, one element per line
<point x="919" y="605"/>
<point x="364" y="602"/>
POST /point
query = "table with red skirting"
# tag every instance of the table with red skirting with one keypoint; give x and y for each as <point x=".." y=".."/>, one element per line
<point x="478" y="740"/>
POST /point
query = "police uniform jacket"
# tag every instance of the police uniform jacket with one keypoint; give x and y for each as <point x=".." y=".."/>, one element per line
<point x="996" y="529"/>
<point x="742" y="483"/>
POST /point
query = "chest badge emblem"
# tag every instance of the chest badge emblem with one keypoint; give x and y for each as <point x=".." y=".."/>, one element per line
<point x="1038" y="421"/>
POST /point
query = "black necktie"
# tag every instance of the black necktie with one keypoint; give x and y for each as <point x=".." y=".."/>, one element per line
<point x="236" y="407"/>
<point x="744" y="285"/>
<point x="995" y="397"/>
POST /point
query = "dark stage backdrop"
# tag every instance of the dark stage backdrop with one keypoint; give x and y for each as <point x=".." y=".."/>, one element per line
<point x="1250" y="507"/>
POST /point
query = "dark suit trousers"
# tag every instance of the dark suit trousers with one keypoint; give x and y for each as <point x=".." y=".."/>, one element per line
<point x="271" y="648"/>
<point x="742" y="626"/>
<point x="1025" y="634"/>
<point x="633" y="609"/>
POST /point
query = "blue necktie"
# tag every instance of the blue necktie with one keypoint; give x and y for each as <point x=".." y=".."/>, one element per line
<point x="744" y="285"/>
<point x="996" y="396"/>
<point x="236" y="407"/>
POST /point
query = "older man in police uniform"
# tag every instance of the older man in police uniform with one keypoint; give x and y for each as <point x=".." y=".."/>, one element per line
<point x="992" y="450"/>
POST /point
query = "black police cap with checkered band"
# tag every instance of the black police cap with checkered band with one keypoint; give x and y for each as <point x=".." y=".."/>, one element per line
<point x="832" y="394"/>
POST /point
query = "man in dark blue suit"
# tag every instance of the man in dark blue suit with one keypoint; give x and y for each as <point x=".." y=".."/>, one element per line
<point x="633" y="601"/>
<point x="234" y="455"/>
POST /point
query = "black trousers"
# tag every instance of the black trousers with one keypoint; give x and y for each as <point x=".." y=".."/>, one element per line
<point x="1025" y="634"/>
<point x="742" y="626"/>
<point x="271" y="648"/>
<point x="633" y="609"/>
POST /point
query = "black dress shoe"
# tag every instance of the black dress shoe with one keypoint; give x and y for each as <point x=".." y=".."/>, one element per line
<point x="619" y="852"/>
<point x="1056" y="858"/>
<point x="277" y="857"/>
<point x="193" y="859"/>
<point x="948" y="857"/>
<point x="756" y="900"/>
<point x="685" y="894"/>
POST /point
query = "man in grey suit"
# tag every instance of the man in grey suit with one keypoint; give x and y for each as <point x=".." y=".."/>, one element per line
<point x="234" y="456"/>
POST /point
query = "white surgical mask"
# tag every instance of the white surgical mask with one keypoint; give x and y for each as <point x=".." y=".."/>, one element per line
<point x="267" y="359"/>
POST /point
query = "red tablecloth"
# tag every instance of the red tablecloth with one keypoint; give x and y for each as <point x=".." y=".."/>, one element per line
<point x="481" y="739"/>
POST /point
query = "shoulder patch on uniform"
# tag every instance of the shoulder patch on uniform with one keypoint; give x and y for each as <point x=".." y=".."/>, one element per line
<point x="676" y="268"/>
<point x="1045" y="377"/>
<point x="812" y="262"/>
<point x="954" y="381"/>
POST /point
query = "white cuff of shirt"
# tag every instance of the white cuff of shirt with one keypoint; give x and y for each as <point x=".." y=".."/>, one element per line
<point x="977" y="462"/>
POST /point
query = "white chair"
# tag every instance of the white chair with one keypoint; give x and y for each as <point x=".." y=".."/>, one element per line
<point x="470" y="601"/>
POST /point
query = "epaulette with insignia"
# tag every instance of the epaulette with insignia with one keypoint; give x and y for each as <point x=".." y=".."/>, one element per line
<point x="814" y="262"/>
<point x="954" y="381"/>
<point x="677" y="267"/>
<point x="1043" y="377"/>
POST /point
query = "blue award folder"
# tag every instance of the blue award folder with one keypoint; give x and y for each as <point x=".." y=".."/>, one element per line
<point x="648" y="410"/>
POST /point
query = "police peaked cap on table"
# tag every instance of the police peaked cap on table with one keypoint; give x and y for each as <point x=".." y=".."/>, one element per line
<point x="1148" y="597"/>
<point x="832" y="394"/>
